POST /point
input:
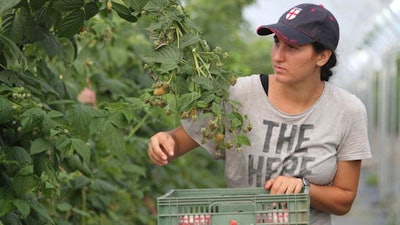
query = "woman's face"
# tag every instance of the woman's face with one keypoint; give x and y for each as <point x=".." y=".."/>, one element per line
<point x="293" y="64"/>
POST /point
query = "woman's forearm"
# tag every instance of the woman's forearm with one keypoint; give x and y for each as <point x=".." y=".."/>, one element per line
<point x="337" y="198"/>
<point x="331" y="199"/>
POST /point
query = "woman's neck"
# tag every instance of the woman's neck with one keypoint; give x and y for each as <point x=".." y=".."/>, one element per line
<point x="294" y="98"/>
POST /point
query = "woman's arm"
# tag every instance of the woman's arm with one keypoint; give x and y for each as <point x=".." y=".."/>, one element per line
<point x="335" y="199"/>
<point x="166" y="146"/>
<point x="338" y="198"/>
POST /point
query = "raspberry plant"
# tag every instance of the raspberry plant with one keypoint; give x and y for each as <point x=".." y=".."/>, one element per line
<point x="192" y="78"/>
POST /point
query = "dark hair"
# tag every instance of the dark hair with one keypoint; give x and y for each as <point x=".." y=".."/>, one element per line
<point x="326" y="71"/>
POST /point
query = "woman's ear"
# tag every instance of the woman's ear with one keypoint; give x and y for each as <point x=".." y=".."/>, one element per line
<point x="324" y="57"/>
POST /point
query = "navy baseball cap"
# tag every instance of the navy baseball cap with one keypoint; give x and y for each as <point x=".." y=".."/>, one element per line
<point x="305" y="24"/>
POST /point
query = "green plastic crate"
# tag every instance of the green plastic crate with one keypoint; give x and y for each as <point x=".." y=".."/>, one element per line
<point x="232" y="206"/>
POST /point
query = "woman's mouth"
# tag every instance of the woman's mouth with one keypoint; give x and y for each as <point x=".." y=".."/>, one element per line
<point x="279" y="69"/>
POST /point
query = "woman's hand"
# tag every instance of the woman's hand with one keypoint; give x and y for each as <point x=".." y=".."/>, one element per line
<point x="161" y="147"/>
<point x="165" y="146"/>
<point x="284" y="185"/>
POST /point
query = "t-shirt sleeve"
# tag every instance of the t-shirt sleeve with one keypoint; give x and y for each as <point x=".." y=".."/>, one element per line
<point x="193" y="128"/>
<point x="355" y="144"/>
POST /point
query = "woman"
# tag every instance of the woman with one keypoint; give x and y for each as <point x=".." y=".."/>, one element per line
<point x="305" y="130"/>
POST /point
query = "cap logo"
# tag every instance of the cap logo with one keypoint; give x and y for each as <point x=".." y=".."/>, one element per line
<point x="293" y="13"/>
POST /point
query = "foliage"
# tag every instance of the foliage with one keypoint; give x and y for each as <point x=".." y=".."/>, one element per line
<point x="57" y="154"/>
<point x="185" y="66"/>
<point x="62" y="162"/>
<point x="221" y="24"/>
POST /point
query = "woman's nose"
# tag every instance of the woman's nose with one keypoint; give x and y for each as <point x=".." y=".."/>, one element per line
<point x="278" y="53"/>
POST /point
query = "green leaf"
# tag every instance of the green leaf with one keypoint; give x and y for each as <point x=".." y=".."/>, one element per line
<point x="11" y="218"/>
<point x="71" y="23"/>
<point x="64" y="207"/>
<point x="114" y="140"/>
<point x="80" y="212"/>
<point x="6" y="206"/>
<point x="32" y="118"/>
<point x="6" y="111"/>
<point x="207" y="96"/>
<point x="218" y="109"/>
<point x="40" y="163"/>
<point x="52" y="45"/>
<point x="48" y="119"/>
<point x="74" y="163"/>
<point x="80" y="117"/>
<point x="14" y="26"/>
<point x="117" y="119"/>
<point x="189" y="39"/>
<point x="236" y="120"/>
<point x="4" y="89"/>
<point x="38" y="82"/>
<point x="68" y="5"/>
<point x="62" y="143"/>
<point x="167" y="55"/>
<point x="137" y="5"/>
<point x="15" y="58"/>
<point x="156" y="6"/>
<point x="243" y="140"/>
<point x="124" y="12"/>
<point x="7" y="24"/>
<point x="41" y="211"/>
<point x="61" y="102"/>
<point x="91" y="10"/>
<point x="203" y="82"/>
<point x="49" y="123"/>
<point x="23" y="184"/>
<point x="40" y="145"/>
<point x="81" y="148"/>
<point x="103" y="186"/>
<point x="9" y="78"/>
<point x="24" y="28"/>
<point x="22" y="206"/>
<point x="80" y="182"/>
<point x="54" y="114"/>
<point x="26" y="170"/>
<point x="18" y="154"/>
<point x="36" y="4"/>
<point x="187" y="100"/>
<point x="201" y="104"/>
<point x="45" y="18"/>
<point x="7" y="4"/>
<point x="135" y="169"/>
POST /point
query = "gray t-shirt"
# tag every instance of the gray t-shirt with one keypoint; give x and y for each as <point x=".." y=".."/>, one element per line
<point x="308" y="144"/>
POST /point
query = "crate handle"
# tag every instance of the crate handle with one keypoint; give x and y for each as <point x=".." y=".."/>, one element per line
<point x="232" y="206"/>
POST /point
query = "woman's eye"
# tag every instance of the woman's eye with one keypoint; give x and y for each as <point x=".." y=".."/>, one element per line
<point x="276" y="41"/>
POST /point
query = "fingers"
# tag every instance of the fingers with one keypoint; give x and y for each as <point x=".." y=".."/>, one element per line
<point x="160" y="148"/>
<point x="284" y="185"/>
